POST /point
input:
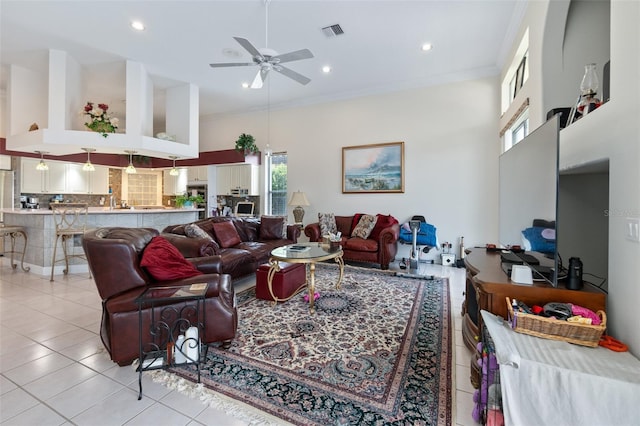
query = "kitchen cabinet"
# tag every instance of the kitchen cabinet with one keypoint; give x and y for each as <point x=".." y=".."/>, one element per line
<point x="52" y="181"/>
<point x="62" y="178"/>
<point x="175" y="185"/>
<point x="237" y="179"/>
<point x="197" y="174"/>
<point x="99" y="180"/>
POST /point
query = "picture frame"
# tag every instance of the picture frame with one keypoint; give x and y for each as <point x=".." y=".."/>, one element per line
<point x="373" y="168"/>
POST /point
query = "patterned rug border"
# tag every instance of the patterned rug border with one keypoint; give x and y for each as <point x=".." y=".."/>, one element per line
<point x="254" y="414"/>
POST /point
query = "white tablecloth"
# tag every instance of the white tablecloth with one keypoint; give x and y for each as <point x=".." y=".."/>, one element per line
<point x="549" y="382"/>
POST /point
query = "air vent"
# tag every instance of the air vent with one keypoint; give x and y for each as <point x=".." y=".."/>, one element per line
<point x="333" y="30"/>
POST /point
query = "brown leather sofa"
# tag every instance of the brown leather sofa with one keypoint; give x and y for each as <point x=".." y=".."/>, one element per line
<point x="114" y="256"/>
<point x="257" y="239"/>
<point x="381" y="250"/>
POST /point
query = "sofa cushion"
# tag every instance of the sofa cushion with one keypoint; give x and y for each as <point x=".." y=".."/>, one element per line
<point x="248" y="228"/>
<point x="359" y="244"/>
<point x="327" y="223"/>
<point x="364" y="227"/>
<point x="227" y="234"/>
<point x="382" y="223"/>
<point x="273" y="228"/>
<point x="164" y="262"/>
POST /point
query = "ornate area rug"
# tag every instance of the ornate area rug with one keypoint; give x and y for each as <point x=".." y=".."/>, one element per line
<point x="377" y="351"/>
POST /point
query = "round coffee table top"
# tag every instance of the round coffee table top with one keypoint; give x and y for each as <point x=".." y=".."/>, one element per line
<point x="305" y="252"/>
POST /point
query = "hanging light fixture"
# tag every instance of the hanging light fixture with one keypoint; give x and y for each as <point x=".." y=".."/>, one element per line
<point x="41" y="166"/>
<point x="130" y="169"/>
<point x="88" y="167"/>
<point x="174" y="171"/>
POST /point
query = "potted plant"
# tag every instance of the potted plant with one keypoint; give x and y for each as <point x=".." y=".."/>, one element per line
<point x="188" y="201"/>
<point x="247" y="144"/>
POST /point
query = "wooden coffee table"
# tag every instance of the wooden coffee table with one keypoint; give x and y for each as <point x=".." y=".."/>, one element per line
<point x="309" y="254"/>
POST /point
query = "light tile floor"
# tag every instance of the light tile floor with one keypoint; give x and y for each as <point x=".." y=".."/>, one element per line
<point x="55" y="371"/>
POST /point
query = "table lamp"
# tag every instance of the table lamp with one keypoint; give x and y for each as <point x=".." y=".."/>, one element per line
<point x="298" y="199"/>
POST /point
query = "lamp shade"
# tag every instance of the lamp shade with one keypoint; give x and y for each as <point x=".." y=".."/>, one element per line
<point x="299" y="198"/>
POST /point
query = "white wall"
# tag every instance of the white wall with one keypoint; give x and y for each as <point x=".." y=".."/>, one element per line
<point x="451" y="153"/>
<point x="609" y="133"/>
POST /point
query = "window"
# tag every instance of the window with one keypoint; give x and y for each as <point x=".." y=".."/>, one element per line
<point x="517" y="130"/>
<point x="276" y="203"/>
<point x="516" y="74"/>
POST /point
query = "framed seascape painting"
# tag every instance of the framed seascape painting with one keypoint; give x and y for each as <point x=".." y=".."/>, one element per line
<point x="373" y="168"/>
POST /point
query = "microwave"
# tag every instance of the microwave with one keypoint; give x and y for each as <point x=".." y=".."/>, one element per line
<point x="241" y="192"/>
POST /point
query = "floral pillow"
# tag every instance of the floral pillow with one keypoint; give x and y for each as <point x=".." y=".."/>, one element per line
<point x="194" y="231"/>
<point x="364" y="227"/>
<point x="327" y="222"/>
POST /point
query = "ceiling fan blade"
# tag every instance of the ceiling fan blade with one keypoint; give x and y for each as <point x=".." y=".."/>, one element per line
<point x="261" y="76"/>
<point x="294" y="56"/>
<point x="292" y="74"/>
<point x="231" y="64"/>
<point x="249" y="47"/>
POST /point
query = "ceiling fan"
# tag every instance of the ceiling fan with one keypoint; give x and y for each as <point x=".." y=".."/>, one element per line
<point x="268" y="59"/>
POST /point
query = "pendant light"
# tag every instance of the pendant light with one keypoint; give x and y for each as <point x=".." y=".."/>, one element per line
<point x="41" y="166"/>
<point x="174" y="171"/>
<point x="130" y="169"/>
<point x="88" y="167"/>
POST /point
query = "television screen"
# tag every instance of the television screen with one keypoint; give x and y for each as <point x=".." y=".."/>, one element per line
<point x="244" y="208"/>
<point x="528" y="194"/>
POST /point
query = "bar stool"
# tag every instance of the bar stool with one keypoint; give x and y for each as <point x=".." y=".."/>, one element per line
<point x="70" y="220"/>
<point x="13" y="232"/>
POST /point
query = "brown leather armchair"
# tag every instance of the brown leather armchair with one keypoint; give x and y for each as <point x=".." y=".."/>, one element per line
<point x="114" y="256"/>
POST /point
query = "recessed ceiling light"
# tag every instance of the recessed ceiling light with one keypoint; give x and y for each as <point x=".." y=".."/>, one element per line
<point x="326" y="69"/>
<point x="137" y="25"/>
<point x="245" y="85"/>
<point x="427" y="46"/>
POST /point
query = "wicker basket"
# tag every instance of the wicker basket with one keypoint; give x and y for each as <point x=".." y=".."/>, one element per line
<point x="548" y="328"/>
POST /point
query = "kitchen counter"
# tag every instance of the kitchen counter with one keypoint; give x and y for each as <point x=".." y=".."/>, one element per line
<point x="40" y="229"/>
<point x="104" y="210"/>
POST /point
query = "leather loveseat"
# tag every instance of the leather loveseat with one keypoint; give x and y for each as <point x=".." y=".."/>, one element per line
<point x="115" y="256"/>
<point x="238" y="249"/>
<point x="380" y="246"/>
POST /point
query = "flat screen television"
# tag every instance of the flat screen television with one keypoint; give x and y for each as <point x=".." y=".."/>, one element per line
<point x="244" y="209"/>
<point x="528" y="183"/>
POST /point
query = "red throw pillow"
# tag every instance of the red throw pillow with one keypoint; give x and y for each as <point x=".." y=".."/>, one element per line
<point x="164" y="262"/>
<point x="227" y="234"/>
<point x="382" y="222"/>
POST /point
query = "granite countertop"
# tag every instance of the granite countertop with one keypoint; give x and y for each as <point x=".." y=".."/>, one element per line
<point x="104" y="210"/>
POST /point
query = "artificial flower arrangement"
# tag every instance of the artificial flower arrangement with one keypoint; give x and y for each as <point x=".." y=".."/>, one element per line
<point x="101" y="121"/>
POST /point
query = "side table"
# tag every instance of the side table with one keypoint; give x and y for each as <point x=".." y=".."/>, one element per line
<point x="171" y="327"/>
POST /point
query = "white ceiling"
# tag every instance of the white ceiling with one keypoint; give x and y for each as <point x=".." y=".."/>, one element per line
<point x="378" y="52"/>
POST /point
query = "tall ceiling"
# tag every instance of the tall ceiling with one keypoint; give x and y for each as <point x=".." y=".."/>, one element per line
<point x="380" y="49"/>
